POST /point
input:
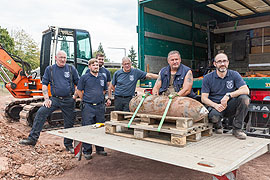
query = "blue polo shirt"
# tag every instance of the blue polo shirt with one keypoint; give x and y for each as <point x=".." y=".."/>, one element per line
<point x="218" y="87"/>
<point x="125" y="82"/>
<point x="105" y="72"/>
<point x="93" y="87"/>
<point x="61" y="79"/>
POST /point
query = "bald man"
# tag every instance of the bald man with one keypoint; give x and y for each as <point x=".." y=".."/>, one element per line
<point x="62" y="78"/>
<point x="226" y="94"/>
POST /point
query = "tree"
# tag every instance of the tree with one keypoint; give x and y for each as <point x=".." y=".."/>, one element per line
<point x="132" y="55"/>
<point x="101" y="50"/>
<point x="26" y="48"/>
<point x="6" y="40"/>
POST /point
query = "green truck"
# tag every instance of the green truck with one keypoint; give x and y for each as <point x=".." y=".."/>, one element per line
<point x="199" y="29"/>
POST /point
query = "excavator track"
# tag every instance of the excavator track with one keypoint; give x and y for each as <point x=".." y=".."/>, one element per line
<point x="55" y="121"/>
<point x="24" y="110"/>
<point x="13" y="108"/>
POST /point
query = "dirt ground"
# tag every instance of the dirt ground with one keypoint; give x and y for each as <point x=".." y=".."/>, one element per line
<point x="48" y="160"/>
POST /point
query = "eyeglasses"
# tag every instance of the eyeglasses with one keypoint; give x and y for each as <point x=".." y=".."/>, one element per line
<point x="222" y="61"/>
<point x="127" y="64"/>
<point x="62" y="57"/>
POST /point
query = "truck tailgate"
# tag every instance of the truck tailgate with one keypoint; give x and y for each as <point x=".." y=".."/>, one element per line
<point x="218" y="154"/>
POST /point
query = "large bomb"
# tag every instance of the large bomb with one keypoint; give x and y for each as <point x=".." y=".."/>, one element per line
<point x="180" y="106"/>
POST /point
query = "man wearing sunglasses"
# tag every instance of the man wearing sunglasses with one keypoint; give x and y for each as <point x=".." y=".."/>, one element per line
<point x="226" y="94"/>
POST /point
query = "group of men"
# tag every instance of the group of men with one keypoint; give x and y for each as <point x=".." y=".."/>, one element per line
<point x="224" y="93"/>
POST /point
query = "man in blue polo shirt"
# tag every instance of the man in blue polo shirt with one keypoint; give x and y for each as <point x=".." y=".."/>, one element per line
<point x="62" y="78"/>
<point x="91" y="89"/>
<point x="124" y="84"/>
<point x="106" y="73"/>
<point x="174" y="78"/>
<point x="226" y="94"/>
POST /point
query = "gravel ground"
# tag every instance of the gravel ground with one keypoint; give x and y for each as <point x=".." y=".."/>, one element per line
<point x="49" y="160"/>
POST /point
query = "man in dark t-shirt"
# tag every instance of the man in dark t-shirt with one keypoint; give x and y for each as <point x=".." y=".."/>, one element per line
<point x="226" y="94"/>
<point x="124" y="84"/>
<point x="106" y="73"/>
<point x="91" y="89"/>
<point x="62" y="78"/>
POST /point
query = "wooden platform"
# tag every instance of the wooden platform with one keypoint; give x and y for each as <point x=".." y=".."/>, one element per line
<point x="176" y="131"/>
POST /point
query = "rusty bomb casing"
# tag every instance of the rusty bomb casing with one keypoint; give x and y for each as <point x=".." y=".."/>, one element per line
<point x="180" y="106"/>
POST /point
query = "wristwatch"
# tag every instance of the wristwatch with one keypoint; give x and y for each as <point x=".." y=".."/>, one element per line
<point x="229" y="95"/>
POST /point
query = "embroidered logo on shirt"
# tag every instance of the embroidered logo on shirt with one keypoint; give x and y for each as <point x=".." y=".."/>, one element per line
<point x="229" y="84"/>
<point x="131" y="77"/>
<point x="102" y="82"/>
<point x="66" y="74"/>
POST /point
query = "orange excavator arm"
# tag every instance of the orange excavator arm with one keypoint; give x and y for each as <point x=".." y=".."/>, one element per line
<point x="21" y="85"/>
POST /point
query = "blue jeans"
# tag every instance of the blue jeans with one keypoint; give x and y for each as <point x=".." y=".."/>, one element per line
<point x="66" y="105"/>
<point x="92" y="114"/>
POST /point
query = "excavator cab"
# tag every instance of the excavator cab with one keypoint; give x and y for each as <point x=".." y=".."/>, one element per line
<point x="75" y="42"/>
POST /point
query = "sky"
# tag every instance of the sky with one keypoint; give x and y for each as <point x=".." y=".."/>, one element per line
<point x="111" y="22"/>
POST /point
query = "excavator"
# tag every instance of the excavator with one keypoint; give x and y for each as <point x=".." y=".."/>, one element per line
<point x="26" y="86"/>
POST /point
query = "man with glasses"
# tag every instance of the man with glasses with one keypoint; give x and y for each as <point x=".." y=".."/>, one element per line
<point x="62" y="78"/>
<point x="124" y="84"/>
<point x="226" y="94"/>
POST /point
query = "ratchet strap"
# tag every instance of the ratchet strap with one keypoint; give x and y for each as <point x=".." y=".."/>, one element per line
<point x="134" y="114"/>
<point x="165" y="112"/>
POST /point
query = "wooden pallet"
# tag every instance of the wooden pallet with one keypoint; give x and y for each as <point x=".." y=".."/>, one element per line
<point x="150" y="119"/>
<point x="177" y="132"/>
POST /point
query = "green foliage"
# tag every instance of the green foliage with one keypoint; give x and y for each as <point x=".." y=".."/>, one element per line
<point x="6" y="40"/>
<point x="132" y="55"/>
<point x="26" y="48"/>
<point x="112" y="70"/>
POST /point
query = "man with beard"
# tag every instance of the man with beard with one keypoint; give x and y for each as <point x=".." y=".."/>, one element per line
<point x="91" y="89"/>
<point x="174" y="78"/>
<point x="106" y="73"/>
<point x="226" y="94"/>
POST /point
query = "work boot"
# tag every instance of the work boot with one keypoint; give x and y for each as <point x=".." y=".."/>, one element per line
<point x="28" y="142"/>
<point x="102" y="153"/>
<point x="219" y="131"/>
<point x="87" y="156"/>
<point x="238" y="133"/>
<point x="70" y="149"/>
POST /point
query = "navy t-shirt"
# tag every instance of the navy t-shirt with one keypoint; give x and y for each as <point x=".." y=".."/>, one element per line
<point x="93" y="87"/>
<point x="125" y="82"/>
<point x="105" y="72"/>
<point x="61" y="79"/>
<point x="218" y="87"/>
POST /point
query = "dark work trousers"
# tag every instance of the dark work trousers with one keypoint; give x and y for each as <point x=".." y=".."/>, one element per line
<point x="92" y="114"/>
<point x="122" y="103"/>
<point x="66" y="105"/>
<point x="236" y="107"/>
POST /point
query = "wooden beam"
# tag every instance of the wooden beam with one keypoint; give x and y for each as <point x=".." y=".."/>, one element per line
<point x="228" y="9"/>
<point x="242" y="28"/>
<point x="266" y="2"/>
<point x="247" y="6"/>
